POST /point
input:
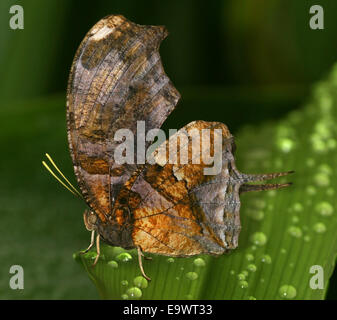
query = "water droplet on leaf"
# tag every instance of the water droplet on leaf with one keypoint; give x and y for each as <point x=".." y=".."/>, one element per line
<point x="113" y="264"/>
<point x="243" y="284"/>
<point x="324" y="208"/>
<point x="319" y="227"/>
<point x="140" y="282"/>
<point x="191" y="275"/>
<point x="259" y="239"/>
<point x="266" y="259"/>
<point x="124" y="257"/>
<point x="295" y="231"/>
<point x="252" y="268"/>
<point x="134" y="293"/>
<point x="124" y="283"/>
<point x="322" y="179"/>
<point x="287" y="292"/>
<point x="199" y="262"/>
<point x="285" y="144"/>
<point x="249" y="257"/>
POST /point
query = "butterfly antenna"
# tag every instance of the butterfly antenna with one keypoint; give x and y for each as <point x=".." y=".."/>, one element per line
<point x="267" y="176"/>
<point x="69" y="187"/>
<point x="263" y="187"/>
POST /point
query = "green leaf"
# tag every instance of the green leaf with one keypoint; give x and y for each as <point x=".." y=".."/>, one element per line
<point x="284" y="232"/>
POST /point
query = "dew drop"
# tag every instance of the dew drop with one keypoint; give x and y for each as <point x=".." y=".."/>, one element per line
<point x="272" y="193"/>
<point x="266" y="258"/>
<point x="283" y="251"/>
<point x="249" y="257"/>
<point x="307" y="238"/>
<point x="257" y="215"/>
<point x="324" y="209"/>
<point x="140" y="282"/>
<point x="285" y="144"/>
<point x="251" y="298"/>
<point x="318" y="143"/>
<point x="287" y="291"/>
<point x="259" y="239"/>
<point x="199" y="262"/>
<point x="241" y="276"/>
<point x="124" y="283"/>
<point x="191" y="275"/>
<point x="245" y="273"/>
<point x="319" y="227"/>
<point x="325" y="168"/>
<point x="311" y="190"/>
<point x="124" y="296"/>
<point x="170" y="260"/>
<point x="232" y="272"/>
<point x="322" y="130"/>
<point x="113" y="264"/>
<point x="134" y="293"/>
<point x="252" y="268"/>
<point x="243" y="284"/>
<point x="295" y="231"/>
<point x="124" y="257"/>
<point x="259" y="204"/>
<point x="322" y="179"/>
<point x="298" y="207"/>
<point x="295" y="219"/>
<point x="115" y="250"/>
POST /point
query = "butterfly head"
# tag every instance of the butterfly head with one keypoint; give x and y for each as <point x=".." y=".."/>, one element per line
<point x="90" y="220"/>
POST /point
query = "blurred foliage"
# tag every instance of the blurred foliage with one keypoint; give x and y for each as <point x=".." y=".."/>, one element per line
<point x="40" y="224"/>
<point x="239" y="62"/>
<point x="218" y="42"/>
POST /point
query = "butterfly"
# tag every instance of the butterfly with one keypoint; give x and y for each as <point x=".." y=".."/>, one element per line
<point x="161" y="207"/>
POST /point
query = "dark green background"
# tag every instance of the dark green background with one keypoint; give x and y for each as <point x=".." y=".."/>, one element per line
<point x="233" y="61"/>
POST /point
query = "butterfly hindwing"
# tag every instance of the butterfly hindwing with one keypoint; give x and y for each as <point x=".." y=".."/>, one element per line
<point x="181" y="211"/>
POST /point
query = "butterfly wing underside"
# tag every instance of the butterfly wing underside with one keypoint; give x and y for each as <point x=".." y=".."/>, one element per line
<point x="116" y="79"/>
<point x="180" y="211"/>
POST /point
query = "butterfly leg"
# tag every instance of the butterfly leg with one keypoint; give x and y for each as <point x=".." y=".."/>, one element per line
<point x="91" y="242"/>
<point x="144" y="256"/>
<point x="98" y="250"/>
<point x="140" y="255"/>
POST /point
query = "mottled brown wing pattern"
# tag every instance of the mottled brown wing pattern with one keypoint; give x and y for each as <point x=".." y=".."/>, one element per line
<point x="165" y="207"/>
<point x="116" y="79"/>
<point x="180" y="211"/>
